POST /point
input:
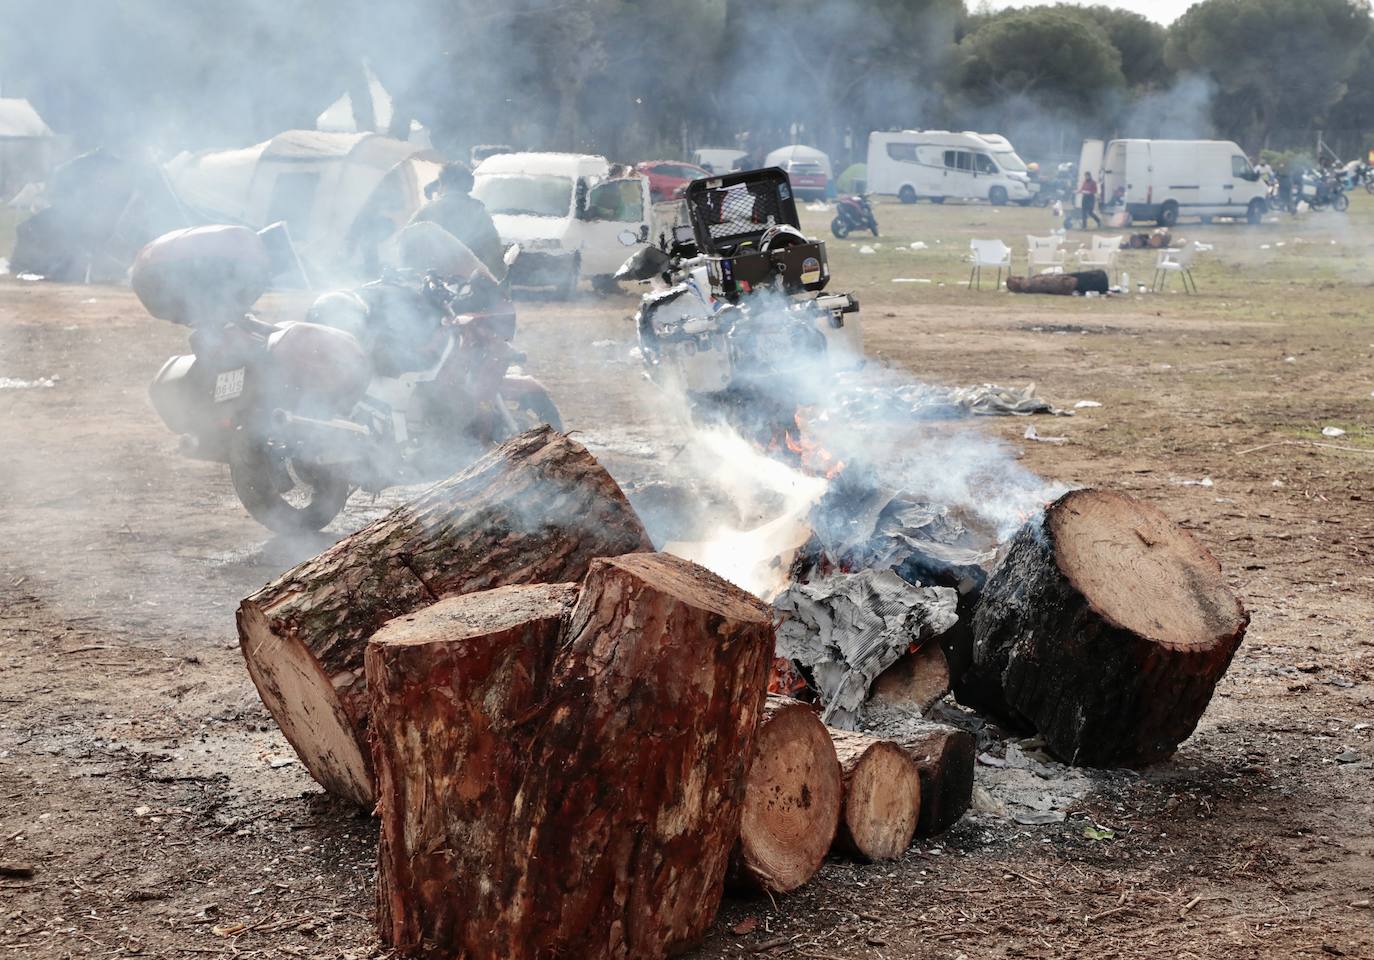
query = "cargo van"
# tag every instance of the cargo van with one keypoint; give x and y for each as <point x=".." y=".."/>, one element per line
<point x="936" y="165"/>
<point x="566" y="211"/>
<point x="1164" y="180"/>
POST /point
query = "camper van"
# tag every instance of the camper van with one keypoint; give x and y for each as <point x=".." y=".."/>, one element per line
<point x="1163" y="180"/>
<point x="937" y="165"/>
<point x="566" y="211"/>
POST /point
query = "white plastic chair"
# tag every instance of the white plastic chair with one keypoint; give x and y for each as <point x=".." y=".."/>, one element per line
<point x="1044" y="255"/>
<point x="989" y="253"/>
<point x="1100" y="254"/>
<point x="1179" y="261"/>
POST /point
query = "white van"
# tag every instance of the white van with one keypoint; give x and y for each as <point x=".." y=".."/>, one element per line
<point x="717" y="160"/>
<point x="566" y="211"/>
<point x="936" y="165"/>
<point x="1163" y="180"/>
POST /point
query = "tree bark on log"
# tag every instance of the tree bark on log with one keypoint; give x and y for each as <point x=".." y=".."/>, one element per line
<point x="1107" y="629"/>
<point x="944" y="758"/>
<point x="443" y="757"/>
<point x="882" y="796"/>
<point x="592" y="812"/>
<point x="918" y="680"/>
<point x="537" y="509"/>
<point x="792" y="800"/>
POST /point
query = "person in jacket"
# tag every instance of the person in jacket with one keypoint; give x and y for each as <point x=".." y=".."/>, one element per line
<point x="464" y="216"/>
<point x="1088" y="193"/>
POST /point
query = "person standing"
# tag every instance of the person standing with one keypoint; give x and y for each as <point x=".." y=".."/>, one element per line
<point x="1088" y="193"/>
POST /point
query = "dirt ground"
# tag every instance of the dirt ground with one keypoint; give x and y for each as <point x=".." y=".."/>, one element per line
<point x="163" y="816"/>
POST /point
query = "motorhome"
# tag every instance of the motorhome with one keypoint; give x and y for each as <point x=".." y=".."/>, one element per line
<point x="566" y="211"/>
<point x="938" y="165"/>
<point x="1164" y="180"/>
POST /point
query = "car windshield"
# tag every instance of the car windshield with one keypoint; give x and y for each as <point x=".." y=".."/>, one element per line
<point x="519" y="194"/>
<point x="1010" y="162"/>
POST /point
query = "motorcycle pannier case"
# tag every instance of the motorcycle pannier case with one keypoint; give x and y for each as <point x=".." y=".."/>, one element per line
<point x="201" y="274"/>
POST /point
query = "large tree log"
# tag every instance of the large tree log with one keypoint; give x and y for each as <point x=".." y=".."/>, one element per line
<point x="944" y="758"/>
<point x="1107" y="629"/>
<point x="882" y="796"/>
<point x="592" y="811"/>
<point x="537" y="509"/>
<point x="444" y="757"/>
<point x="792" y="800"/>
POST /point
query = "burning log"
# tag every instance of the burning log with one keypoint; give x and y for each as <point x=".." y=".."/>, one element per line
<point x="918" y="680"/>
<point x="944" y="758"/>
<point x="1107" y="629"/>
<point x="848" y="628"/>
<point x="792" y="800"/>
<point x="537" y="509"/>
<point x="575" y="795"/>
<point x="882" y="796"/>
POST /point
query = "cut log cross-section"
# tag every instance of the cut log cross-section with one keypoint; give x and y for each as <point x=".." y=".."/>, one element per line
<point x="537" y="509"/>
<point x="882" y="796"/>
<point x="917" y="681"/>
<point x="590" y="808"/>
<point x="944" y="758"/>
<point x="1107" y="630"/>
<point x="792" y="801"/>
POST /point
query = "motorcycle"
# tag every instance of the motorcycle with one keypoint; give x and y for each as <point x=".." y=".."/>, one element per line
<point x="736" y="299"/>
<point x="1322" y="193"/>
<point x="853" y="213"/>
<point x="400" y="381"/>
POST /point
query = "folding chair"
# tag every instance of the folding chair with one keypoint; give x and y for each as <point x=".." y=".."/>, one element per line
<point x="988" y="253"/>
<point x="1100" y="254"/>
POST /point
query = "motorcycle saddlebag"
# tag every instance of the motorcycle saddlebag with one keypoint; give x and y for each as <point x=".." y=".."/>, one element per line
<point x="201" y="274"/>
<point x="802" y="266"/>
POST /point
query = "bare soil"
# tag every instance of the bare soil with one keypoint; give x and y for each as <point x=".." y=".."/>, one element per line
<point x="163" y="815"/>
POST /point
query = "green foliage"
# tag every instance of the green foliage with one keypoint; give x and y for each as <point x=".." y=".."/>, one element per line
<point x="1042" y="53"/>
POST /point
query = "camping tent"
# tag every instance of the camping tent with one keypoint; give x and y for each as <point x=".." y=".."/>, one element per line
<point x="333" y="190"/>
<point x="799" y="154"/>
<point x="28" y="149"/>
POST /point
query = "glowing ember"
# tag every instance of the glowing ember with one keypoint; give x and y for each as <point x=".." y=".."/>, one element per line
<point x="814" y="458"/>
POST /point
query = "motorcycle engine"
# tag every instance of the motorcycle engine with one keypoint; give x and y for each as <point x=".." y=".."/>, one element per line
<point x="684" y="342"/>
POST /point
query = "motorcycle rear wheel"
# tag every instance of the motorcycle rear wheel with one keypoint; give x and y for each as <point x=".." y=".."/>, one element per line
<point x="1341" y="203"/>
<point x="839" y="228"/>
<point x="259" y="471"/>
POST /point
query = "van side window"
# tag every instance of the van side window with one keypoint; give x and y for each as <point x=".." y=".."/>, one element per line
<point x="904" y="152"/>
<point x="1241" y="169"/>
<point x="984" y="163"/>
<point x="619" y="200"/>
<point x="965" y="160"/>
<point x="952" y="159"/>
<point x="930" y="155"/>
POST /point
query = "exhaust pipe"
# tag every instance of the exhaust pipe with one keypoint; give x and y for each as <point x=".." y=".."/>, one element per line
<point x="324" y="440"/>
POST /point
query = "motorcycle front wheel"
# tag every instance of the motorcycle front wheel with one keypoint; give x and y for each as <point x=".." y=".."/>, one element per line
<point x="283" y="494"/>
<point x="1341" y="203"/>
<point x="839" y="228"/>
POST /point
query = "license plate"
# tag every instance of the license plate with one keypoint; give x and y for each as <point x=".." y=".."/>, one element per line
<point x="229" y="385"/>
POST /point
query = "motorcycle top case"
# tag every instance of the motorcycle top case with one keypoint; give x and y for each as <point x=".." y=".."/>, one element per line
<point x="201" y="274"/>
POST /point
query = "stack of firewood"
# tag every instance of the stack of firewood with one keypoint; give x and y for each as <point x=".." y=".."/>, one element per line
<point x="567" y="736"/>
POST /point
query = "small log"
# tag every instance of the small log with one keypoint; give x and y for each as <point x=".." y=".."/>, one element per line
<point x="882" y="796"/>
<point x="1106" y="628"/>
<point x="536" y="510"/>
<point x="944" y="758"/>
<point x="792" y="800"/>
<point x="444" y="758"/>
<point x="588" y="803"/>
<point x="917" y="681"/>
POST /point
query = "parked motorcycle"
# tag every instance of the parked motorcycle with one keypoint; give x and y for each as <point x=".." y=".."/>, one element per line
<point x="400" y="381"/>
<point x="853" y="213"/>
<point x="1323" y="193"/>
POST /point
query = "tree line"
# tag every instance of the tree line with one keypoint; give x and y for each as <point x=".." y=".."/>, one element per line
<point x="636" y="78"/>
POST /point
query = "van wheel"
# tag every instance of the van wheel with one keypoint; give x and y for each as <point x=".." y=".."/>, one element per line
<point x="1254" y="214"/>
<point x="1168" y="214"/>
<point x="937" y="199"/>
<point x="906" y="195"/>
<point x="997" y="196"/>
<point x="567" y="287"/>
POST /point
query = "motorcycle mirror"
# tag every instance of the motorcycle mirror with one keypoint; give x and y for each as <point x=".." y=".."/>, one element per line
<point x="627" y="238"/>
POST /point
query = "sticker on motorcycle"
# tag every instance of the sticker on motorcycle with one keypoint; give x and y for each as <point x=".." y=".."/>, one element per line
<point x="229" y="385"/>
<point x="811" y="270"/>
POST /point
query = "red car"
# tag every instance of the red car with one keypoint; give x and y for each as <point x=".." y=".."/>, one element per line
<point x="669" y="178"/>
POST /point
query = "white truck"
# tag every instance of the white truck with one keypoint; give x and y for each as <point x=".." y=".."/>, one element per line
<point x="937" y="165"/>
<point x="566" y="212"/>
<point x="1163" y="180"/>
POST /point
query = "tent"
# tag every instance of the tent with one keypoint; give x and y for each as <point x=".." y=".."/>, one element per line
<point x="340" y="117"/>
<point x="335" y="191"/>
<point x="28" y="148"/>
<point x="799" y="154"/>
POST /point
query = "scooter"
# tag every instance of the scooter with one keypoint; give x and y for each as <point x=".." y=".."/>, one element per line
<point x="400" y="381"/>
<point x="852" y="213"/>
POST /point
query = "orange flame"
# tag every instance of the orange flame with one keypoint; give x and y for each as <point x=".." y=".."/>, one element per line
<point x="814" y="458"/>
<point x="784" y="678"/>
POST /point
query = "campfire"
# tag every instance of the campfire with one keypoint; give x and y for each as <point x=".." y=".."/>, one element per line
<point x="575" y="743"/>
